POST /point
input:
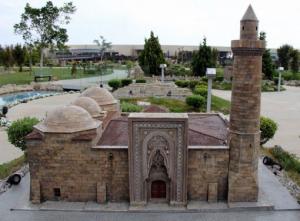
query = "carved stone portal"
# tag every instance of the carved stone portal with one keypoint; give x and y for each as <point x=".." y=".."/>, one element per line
<point x="158" y="158"/>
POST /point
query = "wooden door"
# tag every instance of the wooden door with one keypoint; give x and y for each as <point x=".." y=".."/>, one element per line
<point x="158" y="189"/>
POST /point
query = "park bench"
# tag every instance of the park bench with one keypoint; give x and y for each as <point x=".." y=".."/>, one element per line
<point x="39" y="74"/>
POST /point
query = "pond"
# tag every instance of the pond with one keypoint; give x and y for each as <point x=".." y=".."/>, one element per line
<point x="14" y="98"/>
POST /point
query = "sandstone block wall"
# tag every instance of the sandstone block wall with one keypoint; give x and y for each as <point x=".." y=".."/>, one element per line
<point x="207" y="168"/>
<point x="75" y="168"/>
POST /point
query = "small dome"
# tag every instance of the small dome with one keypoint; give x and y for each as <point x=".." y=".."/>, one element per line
<point x="67" y="119"/>
<point x="100" y="95"/>
<point x="89" y="104"/>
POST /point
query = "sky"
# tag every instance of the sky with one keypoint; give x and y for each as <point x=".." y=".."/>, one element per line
<point x="175" y="22"/>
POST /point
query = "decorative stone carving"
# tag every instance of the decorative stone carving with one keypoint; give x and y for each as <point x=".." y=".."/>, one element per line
<point x="158" y="151"/>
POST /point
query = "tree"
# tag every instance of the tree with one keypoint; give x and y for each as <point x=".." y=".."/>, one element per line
<point x="202" y="59"/>
<point x="284" y="55"/>
<point x="294" y="54"/>
<point x="103" y="46"/>
<point x="19" y="130"/>
<point x="19" y="54"/>
<point x="268" y="129"/>
<point x="152" y="56"/>
<point x="268" y="68"/>
<point x="8" y="59"/>
<point x="1" y="55"/>
<point x="42" y="26"/>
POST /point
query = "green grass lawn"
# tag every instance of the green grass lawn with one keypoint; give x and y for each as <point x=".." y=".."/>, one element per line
<point x="57" y="73"/>
<point x="174" y="105"/>
<point x="8" y="168"/>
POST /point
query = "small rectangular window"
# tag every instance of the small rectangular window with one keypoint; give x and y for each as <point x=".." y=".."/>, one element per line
<point x="56" y="192"/>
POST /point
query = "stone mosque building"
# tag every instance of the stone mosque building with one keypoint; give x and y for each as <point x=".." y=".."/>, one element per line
<point x="89" y="151"/>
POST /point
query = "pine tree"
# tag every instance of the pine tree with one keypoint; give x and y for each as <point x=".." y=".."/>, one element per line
<point x="284" y="55"/>
<point x="294" y="61"/>
<point x="268" y="67"/>
<point x="152" y="56"/>
<point x="19" y="54"/>
<point x="202" y="59"/>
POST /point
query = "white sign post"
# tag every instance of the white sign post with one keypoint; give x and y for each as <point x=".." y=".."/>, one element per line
<point x="280" y="70"/>
<point x="210" y="74"/>
<point x="162" y="66"/>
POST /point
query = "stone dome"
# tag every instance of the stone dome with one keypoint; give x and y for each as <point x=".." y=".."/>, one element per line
<point x="100" y="95"/>
<point x="67" y="119"/>
<point x="89" y="104"/>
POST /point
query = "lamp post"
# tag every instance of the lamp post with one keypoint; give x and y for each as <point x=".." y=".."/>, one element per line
<point x="210" y="74"/>
<point x="280" y="70"/>
<point x="162" y="66"/>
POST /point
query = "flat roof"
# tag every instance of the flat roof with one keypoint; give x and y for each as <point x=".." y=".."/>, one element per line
<point x="203" y="130"/>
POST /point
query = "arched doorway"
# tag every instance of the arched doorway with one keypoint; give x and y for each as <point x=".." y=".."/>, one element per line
<point x="158" y="180"/>
<point x="158" y="189"/>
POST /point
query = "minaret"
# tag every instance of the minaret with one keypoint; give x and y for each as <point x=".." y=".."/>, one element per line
<point x="244" y="134"/>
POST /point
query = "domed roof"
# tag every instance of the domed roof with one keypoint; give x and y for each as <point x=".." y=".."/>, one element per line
<point x="67" y="119"/>
<point x="100" y="95"/>
<point x="89" y="104"/>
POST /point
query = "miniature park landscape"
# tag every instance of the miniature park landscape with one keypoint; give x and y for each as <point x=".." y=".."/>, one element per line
<point x="121" y="129"/>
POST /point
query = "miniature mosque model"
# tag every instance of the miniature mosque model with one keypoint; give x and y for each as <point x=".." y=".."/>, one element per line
<point x="90" y="151"/>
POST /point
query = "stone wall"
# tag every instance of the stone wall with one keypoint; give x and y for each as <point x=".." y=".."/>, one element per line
<point x="77" y="170"/>
<point x="207" y="168"/>
<point x="137" y="90"/>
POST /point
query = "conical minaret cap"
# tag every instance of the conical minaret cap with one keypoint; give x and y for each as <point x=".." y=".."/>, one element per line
<point x="249" y="15"/>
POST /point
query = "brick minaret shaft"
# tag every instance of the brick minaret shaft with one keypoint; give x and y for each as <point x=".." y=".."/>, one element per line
<point x="244" y="135"/>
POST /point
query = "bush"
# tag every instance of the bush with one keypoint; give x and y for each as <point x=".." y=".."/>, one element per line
<point x="201" y="90"/>
<point x="193" y="84"/>
<point x="114" y="84"/>
<point x="128" y="107"/>
<point x="196" y="101"/>
<point x="287" y="160"/>
<point x="19" y="129"/>
<point x="125" y="82"/>
<point x="182" y="83"/>
<point x="268" y="129"/>
<point x="140" y="81"/>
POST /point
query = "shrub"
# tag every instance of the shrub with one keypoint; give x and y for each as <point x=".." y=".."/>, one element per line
<point x="287" y="160"/>
<point x="140" y="81"/>
<point x="201" y="90"/>
<point x="182" y="83"/>
<point x="19" y="129"/>
<point x="193" y="84"/>
<point x="128" y="107"/>
<point x="268" y="128"/>
<point x="114" y="84"/>
<point x="196" y="101"/>
<point x="125" y="82"/>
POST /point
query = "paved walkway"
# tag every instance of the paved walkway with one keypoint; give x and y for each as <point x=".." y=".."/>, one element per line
<point x="82" y="83"/>
<point x="17" y="197"/>
<point x="284" y="108"/>
<point x="37" y="108"/>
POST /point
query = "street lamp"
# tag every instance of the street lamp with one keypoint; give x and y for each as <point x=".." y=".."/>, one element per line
<point x="210" y="74"/>
<point x="162" y="66"/>
<point x="280" y="70"/>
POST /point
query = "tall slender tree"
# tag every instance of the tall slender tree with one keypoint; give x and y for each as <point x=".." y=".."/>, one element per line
<point x="268" y="67"/>
<point x="103" y="46"/>
<point x="294" y="60"/>
<point x="202" y="59"/>
<point x="44" y="26"/>
<point x="8" y="59"/>
<point x="19" y="54"/>
<point x="284" y="55"/>
<point x="152" y="56"/>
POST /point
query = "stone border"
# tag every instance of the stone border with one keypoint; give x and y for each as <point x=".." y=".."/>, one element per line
<point x="5" y="186"/>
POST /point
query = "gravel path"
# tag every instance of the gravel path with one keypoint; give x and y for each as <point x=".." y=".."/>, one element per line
<point x="284" y="108"/>
<point x="36" y="108"/>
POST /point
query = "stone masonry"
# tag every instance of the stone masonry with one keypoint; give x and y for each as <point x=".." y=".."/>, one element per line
<point x="88" y="151"/>
<point x="245" y="111"/>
